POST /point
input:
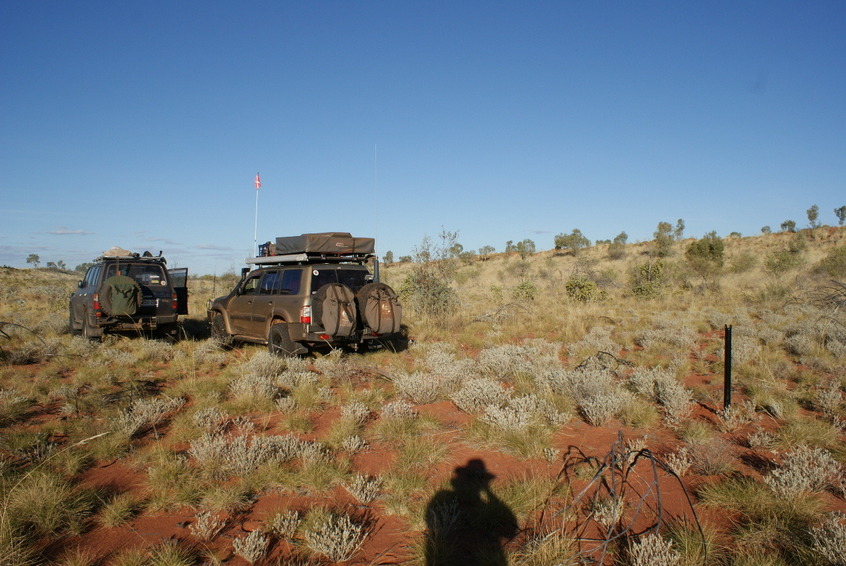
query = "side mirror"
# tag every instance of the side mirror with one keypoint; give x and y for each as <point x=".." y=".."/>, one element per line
<point x="80" y="284"/>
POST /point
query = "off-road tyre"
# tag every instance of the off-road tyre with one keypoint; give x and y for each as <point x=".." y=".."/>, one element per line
<point x="218" y="330"/>
<point x="279" y="342"/>
<point x="169" y="332"/>
<point x="379" y="308"/>
<point x="108" y="288"/>
<point x="334" y="309"/>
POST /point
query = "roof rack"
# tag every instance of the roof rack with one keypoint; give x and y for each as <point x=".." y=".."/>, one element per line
<point x="309" y="257"/>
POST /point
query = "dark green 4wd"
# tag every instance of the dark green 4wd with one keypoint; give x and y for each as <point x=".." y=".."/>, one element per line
<point x="129" y="292"/>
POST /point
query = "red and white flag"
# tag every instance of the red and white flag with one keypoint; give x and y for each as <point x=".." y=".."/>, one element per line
<point x="258" y="182"/>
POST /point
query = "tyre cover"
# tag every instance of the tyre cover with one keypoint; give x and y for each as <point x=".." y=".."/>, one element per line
<point x="120" y="296"/>
<point x="334" y="306"/>
<point x="380" y="308"/>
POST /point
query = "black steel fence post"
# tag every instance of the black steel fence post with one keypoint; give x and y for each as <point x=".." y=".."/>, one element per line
<point x="727" y="370"/>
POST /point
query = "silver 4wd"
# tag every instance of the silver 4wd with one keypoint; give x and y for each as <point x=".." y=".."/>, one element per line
<point x="309" y="290"/>
<point x="129" y="292"/>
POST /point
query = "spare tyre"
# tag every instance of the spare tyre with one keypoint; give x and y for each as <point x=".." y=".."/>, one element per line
<point x="334" y="308"/>
<point x="120" y="296"/>
<point x="379" y="308"/>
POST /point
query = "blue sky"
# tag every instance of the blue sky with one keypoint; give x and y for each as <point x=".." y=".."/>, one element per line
<point x="143" y="124"/>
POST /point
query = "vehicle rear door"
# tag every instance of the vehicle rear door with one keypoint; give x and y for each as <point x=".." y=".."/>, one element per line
<point x="179" y="280"/>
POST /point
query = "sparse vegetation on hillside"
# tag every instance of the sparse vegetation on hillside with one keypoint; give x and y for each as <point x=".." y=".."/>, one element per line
<point x="533" y="382"/>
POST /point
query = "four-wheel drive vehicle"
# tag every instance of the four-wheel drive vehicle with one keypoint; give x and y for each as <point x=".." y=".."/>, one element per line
<point x="308" y="290"/>
<point x="125" y="291"/>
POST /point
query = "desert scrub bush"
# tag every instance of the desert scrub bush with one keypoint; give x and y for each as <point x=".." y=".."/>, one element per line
<point x="221" y="457"/>
<point x="210" y="420"/>
<point x="144" y="414"/>
<point x="582" y="289"/>
<point x="829" y="538"/>
<point x="364" y="488"/>
<point x="206" y="526"/>
<point x="253" y="547"/>
<point x="12" y="405"/>
<point x="332" y="534"/>
<point x="597" y="395"/>
<point x="648" y="280"/>
<point x="253" y="391"/>
<point x="524" y="291"/>
<point x="598" y="339"/>
<point x="523" y="412"/>
<point x="476" y="394"/>
<point x="804" y="470"/>
<point x="660" y="385"/>
<point x="420" y="387"/>
<point x="653" y="550"/>
<point x="284" y="524"/>
<point x="710" y="455"/>
<point x="833" y="264"/>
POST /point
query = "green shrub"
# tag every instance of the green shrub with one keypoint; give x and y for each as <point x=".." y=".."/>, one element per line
<point x="834" y="263"/>
<point x="648" y="279"/>
<point x="584" y="290"/>
<point x="705" y="256"/>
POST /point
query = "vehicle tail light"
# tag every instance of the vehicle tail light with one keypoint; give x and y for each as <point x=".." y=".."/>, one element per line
<point x="324" y="337"/>
<point x="95" y="303"/>
<point x="174" y="302"/>
<point x="305" y="314"/>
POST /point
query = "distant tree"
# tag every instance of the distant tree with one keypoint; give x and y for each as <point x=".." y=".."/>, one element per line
<point x="572" y="242"/>
<point x="33" y="259"/>
<point x="456" y="249"/>
<point x="83" y="267"/>
<point x="617" y="249"/>
<point x="52" y="265"/>
<point x="813" y="215"/>
<point x="663" y="244"/>
<point x="486" y="251"/>
<point x="389" y="257"/>
<point x="525" y="248"/>
<point x="841" y="215"/>
<point x="427" y="288"/>
<point x="735" y="235"/>
<point x="405" y="259"/>
<point x="468" y="256"/>
<point x="766" y="230"/>
<point x="788" y="226"/>
<point x="678" y="233"/>
<point x="510" y="247"/>
<point x="61" y="265"/>
<point x="706" y="255"/>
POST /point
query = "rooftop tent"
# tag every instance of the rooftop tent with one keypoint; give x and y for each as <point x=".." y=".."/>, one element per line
<point x="325" y="242"/>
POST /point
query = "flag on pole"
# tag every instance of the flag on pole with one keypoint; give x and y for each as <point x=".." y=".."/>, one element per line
<point x="258" y="182"/>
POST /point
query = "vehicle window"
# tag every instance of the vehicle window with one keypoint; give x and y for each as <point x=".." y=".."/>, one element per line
<point x="250" y="286"/>
<point x="319" y="278"/>
<point x="289" y="282"/>
<point x="355" y="279"/>
<point x="91" y="276"/>
<point x="268" y="283"/>
<point x="145" y="274"/>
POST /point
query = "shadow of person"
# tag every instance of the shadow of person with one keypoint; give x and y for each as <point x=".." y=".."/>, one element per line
<point x="468" y="525"/>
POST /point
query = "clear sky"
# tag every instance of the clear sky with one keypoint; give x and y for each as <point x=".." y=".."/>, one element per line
<point x="143" y="124"/>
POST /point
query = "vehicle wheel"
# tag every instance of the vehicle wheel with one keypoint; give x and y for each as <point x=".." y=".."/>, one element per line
<point x="71" y="328"/>
<point x="218" y="330"/>
<point x="88" y="331"/>
<point x="169" y="332"/>
<point x="279" y="342"/>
